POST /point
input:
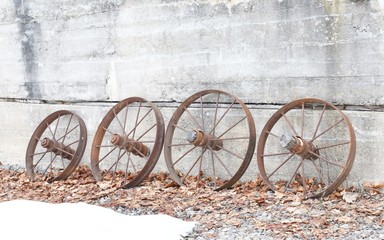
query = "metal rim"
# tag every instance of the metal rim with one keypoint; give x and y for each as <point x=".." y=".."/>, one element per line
<point x="204" y="115"/>
<point x="313" y="138"/>
<point x="125" y="145"/>
<point x="63" y="138"/>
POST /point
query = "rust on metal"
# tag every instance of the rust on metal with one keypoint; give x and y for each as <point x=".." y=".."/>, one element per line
<point x="204" y="139"/>
<point x="68" y="144"/>
<point x="303" y="148"/>
<point x="223" y="140"/>
<point x="57" y="148"/>
<point x="321" y="148"/>
<point x="130" y="145"/>
<point x="123" y="127"/>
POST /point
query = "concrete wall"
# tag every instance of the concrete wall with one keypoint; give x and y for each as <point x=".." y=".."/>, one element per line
<point x="86" y="55"/>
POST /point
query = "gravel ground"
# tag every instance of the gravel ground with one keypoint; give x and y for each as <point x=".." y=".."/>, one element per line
<point x="247" y="211"/>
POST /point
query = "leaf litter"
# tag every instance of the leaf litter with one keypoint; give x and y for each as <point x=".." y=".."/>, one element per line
<point x="247" y="210"/>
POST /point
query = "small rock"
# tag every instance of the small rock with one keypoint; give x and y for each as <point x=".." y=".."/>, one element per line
<point x="350" y="197"/>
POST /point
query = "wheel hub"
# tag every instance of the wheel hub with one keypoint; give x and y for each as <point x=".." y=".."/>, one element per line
<point x="300" y="146"/>
<point x="130" y="145"/>
<point x="57" y="148"/>
<point x="204" y="139"/>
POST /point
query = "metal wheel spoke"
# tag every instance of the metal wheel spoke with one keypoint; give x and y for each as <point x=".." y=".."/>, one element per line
<point x="318" y="172"/>
<point x="63" y="151"/>
<point x="234" y="125"/>
<point x="230" y="138"/>
<point x="284" y="162"/>
<point x="39" y="153"/>
<point x="222" y="163"/>
<point x="133" y="164"/>
<point x="115" y="163"/>
<point x="231" y="152"/>
<point x="293" y="176"/>
<point x="70" y="144"/>
<point x="66" y="129"/>
<point x="320" y="119"/>
<point x="119" y="122"/>
<point x="66" y="134"/>
<point x="57" y="124"/>
<point x="326" y="160"/>
<point x="109" y="131"/>
<point x="200" y="166"/>
<point x="38" y="161"/>
<point x="50" y="129"/>
<point x="142" y="155"/>
<point x="103" y="158"/>
<point x="303" y="177"/>
<point x="333" y="145"/>
<point x="193" y="118"/>
<point x="62" y="161"/>
<point x="273" y="134"/>
<point x="125" y="118"/>
<point x="136" y="120"/>
<point x="213" y="169"/>
<point x="126" y="168"/>
<point x="290" y="124"/>
<point x="181" y="128"/>
<point x="142" y="135"/>
<point x="202" y="113"/>
<point x="133" y="131"/>
<point x="225" y="113"/>
<point x="216" y="110"/>
<point x="181" y="144"/>
<point x="105" y="146"/>
<point x="302" y="120"/>
<point x="194" y="164"/>
<point x="50" y="164"/>
<point x="334" y="125"/>
<point x="185" y="154"/>
<point x="276" y="154"/>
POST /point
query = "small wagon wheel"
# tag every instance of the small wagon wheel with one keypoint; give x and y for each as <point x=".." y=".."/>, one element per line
<point x="211" y="134"/>
<point x="128" y="143"/>
<point x="57" y="146"/>
<point x="307" y="146"/>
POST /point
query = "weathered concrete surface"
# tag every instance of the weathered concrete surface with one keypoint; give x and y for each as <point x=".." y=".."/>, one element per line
<point x="18" y="125"/>
<point x="110" y="49"/>
<point x="265" y="52"/>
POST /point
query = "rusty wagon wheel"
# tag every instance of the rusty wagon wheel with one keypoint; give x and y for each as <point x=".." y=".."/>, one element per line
<point x="57" y="146"/>
<point x="210" y="140"/>
<point x="307" y="146"/>
<point x="127" y="143"/>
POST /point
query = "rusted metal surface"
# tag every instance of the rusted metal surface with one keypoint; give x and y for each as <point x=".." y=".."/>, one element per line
<point x="63" y="138"/>
<point x="204" y="139"/>
<point x="307" y="146"/>
<point x="128" y="143"/>
<point x="211" y="133"/>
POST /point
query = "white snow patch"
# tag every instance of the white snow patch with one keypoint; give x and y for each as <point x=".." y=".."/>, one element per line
<point x="38" y="220"/>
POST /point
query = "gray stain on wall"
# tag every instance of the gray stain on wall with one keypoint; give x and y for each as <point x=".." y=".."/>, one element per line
<point x="29" y="33"/>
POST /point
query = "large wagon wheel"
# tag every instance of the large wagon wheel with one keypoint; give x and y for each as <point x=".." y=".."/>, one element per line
<point x="211" y="134"/>
<point x="57" y="146"/>
<point x="307" y="146"/>
<point x="128" y="143"/>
